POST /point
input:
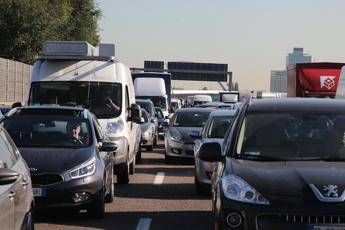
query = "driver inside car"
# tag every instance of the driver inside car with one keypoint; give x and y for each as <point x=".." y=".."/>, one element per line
<point x="74" y="132"/>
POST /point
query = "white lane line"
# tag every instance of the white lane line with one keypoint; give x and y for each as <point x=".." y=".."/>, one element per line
<point x="159" y="178"/>
<point x="144" y="224"/>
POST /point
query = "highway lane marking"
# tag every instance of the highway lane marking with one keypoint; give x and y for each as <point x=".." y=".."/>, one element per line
<point x="144" y="224"/>
<point x="159" y="178"/>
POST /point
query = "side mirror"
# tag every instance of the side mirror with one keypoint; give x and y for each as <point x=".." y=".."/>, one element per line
<point x="135" y="112"/>
<point x="108" y="147"/>
<point x="195" y="135"/>
<point x="165" y="124"/>
<point x="211" y="152"/>
<point x="142" y="120"/>
<point x="8" y="176"/>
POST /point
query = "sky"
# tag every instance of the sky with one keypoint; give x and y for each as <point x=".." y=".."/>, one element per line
<point x="252" y="36"/>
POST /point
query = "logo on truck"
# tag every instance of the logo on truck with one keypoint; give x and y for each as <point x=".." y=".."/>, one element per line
<point x="327" y="82"/>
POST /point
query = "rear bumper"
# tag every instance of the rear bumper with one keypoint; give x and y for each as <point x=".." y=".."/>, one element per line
<point x="179" y="149"/>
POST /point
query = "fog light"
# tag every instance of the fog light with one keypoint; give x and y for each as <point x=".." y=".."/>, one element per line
<point x="234" y="220"/>
<point x="80" y="197"/>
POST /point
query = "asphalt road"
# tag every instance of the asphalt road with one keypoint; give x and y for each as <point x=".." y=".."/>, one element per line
<point x="159" y="196"/>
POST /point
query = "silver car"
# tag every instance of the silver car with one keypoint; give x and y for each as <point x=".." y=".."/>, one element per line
<point x="16" y="197"/>
<point x="213" y="131"/>
<point x="178" y="142"/>
<point x="148" y="133"/>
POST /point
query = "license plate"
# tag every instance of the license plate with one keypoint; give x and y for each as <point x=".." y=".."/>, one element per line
<point x="38" y="192"/>
<point x="328" y="227"/>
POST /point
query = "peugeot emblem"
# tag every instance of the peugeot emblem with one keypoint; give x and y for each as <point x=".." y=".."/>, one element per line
<point x="331" y="190"/>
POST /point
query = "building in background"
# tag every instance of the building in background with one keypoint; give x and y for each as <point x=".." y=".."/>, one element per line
<point x="193" y="75"/>
<point x="297" y="56"/>
<point x="278" y="80"/>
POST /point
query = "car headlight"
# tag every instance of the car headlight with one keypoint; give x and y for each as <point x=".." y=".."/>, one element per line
<point x="86" y="169"/>
<point x="115" y="127"/>
<point x="235" y="188"/>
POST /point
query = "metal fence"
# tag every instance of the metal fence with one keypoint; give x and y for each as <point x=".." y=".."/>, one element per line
<point x="14" y="81"/>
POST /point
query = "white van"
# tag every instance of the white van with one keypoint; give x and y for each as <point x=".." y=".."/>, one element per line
<point x="78" y="74"/>
<point x="201" y="99"/>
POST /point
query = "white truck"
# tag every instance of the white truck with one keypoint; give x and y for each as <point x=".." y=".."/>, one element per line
<point x="78" y="74"/>
<point x="153" y="89"/>
<point x="201" y="99"/>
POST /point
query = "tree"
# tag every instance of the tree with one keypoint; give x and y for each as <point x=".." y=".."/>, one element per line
<point x="26" y="24"/>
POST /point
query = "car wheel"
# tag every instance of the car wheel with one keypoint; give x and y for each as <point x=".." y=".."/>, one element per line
<point x="29" y="225"/>
<point x="132" y="167"/>
<point x="155" y="140"/>
<point x="168" y="159"/>
<point x="200" y="189"/>
<point x="218" y="224"/>
<point x="150" y="147"/>
<point x="138" y="156"/>
<point x="123" y="174"/>
<point x="97" y="209"/>
<point x="109" y="198"/>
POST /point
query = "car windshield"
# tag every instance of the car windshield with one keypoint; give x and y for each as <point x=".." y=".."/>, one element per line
<point x="103" y="99"/>
<point x="218" y="127"/>
<point x="190" y="119"/>
<point x="159" y="113"/>
<point x="145" y="105"/>
<point x="292" y="136"/>
<point x="157" y="101"/>
<point x="47" y="131"/>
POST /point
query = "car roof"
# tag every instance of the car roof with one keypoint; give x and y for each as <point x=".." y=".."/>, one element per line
<point x="223" y="112"/>
<point x="194" y="109"/>
<point x="297" y="105"/>
<point x="68" y="109"/>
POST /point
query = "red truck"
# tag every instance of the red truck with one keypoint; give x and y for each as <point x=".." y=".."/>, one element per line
<point x="316" y="79"/>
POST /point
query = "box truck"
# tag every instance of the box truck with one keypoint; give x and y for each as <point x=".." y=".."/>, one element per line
<point x="317" y="79"/>
<point x="79" y="74"/>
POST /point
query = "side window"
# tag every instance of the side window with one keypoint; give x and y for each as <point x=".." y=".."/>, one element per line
<point x="7" y="152"/>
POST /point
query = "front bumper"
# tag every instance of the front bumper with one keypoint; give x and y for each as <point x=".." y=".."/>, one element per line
<point x="179" y="149"/>
<point x="283" y="216"/>
<point x="61" y="194"/>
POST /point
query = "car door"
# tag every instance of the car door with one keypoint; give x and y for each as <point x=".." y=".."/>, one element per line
<point x="12" y="196"/>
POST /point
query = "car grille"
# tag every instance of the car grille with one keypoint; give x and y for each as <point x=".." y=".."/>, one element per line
<point x="308" y="219"/>
<point x="46" y="179"/>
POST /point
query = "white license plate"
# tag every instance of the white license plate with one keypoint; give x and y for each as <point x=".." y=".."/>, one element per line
<point x="329" y="227"/>
<point x="38" y="192"/>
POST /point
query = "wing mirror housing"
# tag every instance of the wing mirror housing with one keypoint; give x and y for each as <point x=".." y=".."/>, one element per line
<point x="135" y="114"/>
<point x="195" y="135"/>
<point x="211" y="152"/>
<point x="108" y="147"/>
<point x="8" y="176"/>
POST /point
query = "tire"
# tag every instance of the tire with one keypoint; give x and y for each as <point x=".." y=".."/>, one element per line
<point x="123" y="174"/>
<point x="97" y="209"/>
<point x="168" y="159"/>
<point x="155" y="140"/>
<point x="109" y="198"/>
<point x="200" y="189"/>
<point x="132" y="167"/>
<point x="29" y="225"/>
<point x="138" y="156"/>
<point x="150" y="148"/>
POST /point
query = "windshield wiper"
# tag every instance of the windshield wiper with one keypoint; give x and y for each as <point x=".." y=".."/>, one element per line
<point x="262" y="158"/>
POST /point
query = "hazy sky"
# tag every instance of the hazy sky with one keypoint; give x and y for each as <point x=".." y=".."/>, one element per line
<point x="253" y="37"/>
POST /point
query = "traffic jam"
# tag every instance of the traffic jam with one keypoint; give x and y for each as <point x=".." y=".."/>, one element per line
<point x="97" y="146"/>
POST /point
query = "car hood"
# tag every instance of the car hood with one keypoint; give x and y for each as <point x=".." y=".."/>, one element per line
<point x="184" y="132"/>
<point x="54" y="159"/>
<point x="291" y="182"/>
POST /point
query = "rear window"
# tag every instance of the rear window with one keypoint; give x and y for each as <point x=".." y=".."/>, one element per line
<point x="191" y="119"/>
<point x="218" y="127"/>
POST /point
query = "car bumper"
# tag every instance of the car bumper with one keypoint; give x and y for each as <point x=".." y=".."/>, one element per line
<point x="283" y="216"/>
<point x="179" y="149"/>
<point x="61" y="194"/>
<point x="203" y="171"/>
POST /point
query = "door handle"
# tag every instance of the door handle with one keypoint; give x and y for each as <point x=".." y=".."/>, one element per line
<point x="11" y="194"/>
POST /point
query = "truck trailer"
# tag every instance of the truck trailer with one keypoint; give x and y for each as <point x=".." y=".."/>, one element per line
<point x="317" y="79"/>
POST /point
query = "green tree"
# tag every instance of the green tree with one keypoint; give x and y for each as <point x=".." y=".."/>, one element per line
<point x="26" y="24"/>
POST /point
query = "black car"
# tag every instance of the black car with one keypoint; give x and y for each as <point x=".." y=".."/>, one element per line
<point x="70" y="160"/>
<point x="160" y="119"/>
<point x="282" y="166"/>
